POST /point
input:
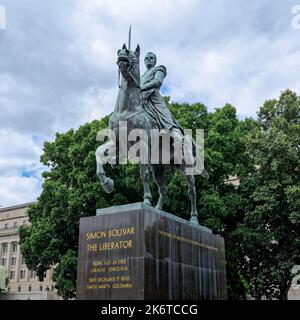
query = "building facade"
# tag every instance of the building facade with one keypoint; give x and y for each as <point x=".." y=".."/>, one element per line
<point x="23" y="283"/>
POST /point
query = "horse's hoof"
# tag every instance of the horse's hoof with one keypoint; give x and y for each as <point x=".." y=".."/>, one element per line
<point x="108" y="186"/>
<point x="147" y="202"/>
<point x="194" y="220"/>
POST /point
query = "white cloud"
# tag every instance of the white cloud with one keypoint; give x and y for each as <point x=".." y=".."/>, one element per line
<point x="19" y="156"/>
<point x="97" y="103"/>
<point x="17" y="151"/>
<point x="17" y="190"/>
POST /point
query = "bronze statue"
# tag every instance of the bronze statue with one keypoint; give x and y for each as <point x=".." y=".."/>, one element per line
<point x="140" y="106"/>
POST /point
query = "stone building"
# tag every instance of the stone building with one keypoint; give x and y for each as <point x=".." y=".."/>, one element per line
<point x="23" y="283"/>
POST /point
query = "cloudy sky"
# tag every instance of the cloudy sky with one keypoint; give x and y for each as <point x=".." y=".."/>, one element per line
<point x="57" y="65"/>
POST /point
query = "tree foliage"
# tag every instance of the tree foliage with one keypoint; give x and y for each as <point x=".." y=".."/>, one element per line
<point x="270" y="232"/>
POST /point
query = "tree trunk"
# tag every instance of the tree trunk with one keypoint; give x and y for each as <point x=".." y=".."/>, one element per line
<point x="284" y="289"/>
<point x="283" y="295"/>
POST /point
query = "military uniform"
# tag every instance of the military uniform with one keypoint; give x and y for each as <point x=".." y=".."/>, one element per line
<point x="153" y="103"/>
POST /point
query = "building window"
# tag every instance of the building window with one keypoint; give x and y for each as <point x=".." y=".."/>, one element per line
<point x="12" y="275"/>
<point x="15" y="224"/>
<point x="29" y="288"/>
<point x="6" y="226"/>
<point x="4" y="247"/>
<point x="52" y="288"/>
<point x="19" y="288"/>
<point x="22" y="274"/>
<point x="32" y="274"/>
<point x="41" y="288"/>
<point x="13" y="261"/>
<point x="3" y="262"/>
<point x="14" y="247"/>
<point x="23" y="260"/>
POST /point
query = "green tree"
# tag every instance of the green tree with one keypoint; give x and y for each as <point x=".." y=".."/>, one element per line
<point x="71" y="190"/>
<point x="270" y="233"/>
<point x="65" y="274"/>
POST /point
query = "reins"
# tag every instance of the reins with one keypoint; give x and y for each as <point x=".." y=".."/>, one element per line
<point x="129" y="70"/>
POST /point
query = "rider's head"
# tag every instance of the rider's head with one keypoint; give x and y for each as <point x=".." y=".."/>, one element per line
<point x="150" y="60"/>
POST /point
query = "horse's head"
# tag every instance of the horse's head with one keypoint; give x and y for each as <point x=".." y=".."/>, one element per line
<point x="128" y="62"/>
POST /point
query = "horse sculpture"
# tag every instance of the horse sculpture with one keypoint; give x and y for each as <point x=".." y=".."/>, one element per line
<point x="129" y="110"/>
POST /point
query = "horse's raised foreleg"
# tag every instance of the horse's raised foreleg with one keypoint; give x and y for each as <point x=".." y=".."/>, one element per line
<point x="145" y="177"/>
<point x="102" y="156"/>
<point x="159" y="178"/>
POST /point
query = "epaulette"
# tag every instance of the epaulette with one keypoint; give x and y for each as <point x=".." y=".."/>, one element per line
<point x="162" y="69"/>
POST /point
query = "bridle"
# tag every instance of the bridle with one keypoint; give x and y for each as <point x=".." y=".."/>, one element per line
<point x="130" y="72"/>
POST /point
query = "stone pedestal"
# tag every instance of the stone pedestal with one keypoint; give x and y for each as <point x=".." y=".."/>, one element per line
<point x="138" y="252"/>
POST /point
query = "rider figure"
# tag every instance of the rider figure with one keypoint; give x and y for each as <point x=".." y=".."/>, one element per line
<point x="153" y="103"/>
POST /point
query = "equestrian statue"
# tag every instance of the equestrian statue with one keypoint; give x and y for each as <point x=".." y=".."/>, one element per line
<point x="141" y="107"/>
